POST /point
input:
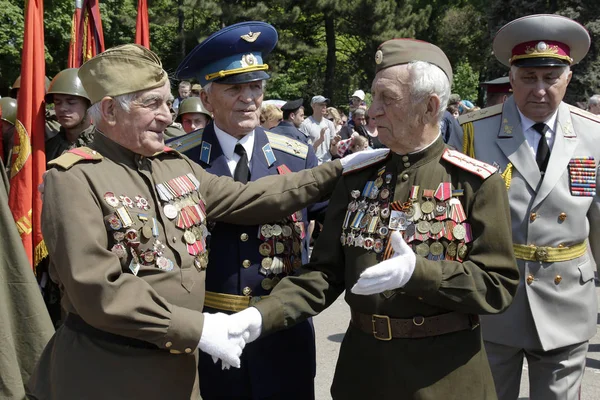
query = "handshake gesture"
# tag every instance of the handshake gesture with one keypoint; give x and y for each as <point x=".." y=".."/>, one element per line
<point x="225" y="336"/>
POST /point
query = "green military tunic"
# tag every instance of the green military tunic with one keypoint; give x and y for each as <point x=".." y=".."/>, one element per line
<point x="450" y="366"/>
<point x="58" y="144"/>
<point x="128" y="264"/>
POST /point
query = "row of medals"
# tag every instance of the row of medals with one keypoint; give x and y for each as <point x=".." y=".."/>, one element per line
<point x="280" y="241"/>
<point x="371" y="217"/>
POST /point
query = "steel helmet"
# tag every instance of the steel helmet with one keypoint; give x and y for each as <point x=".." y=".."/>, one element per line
<point x="8" y="109"/>
<point x="191" y="105"/>
<point x="66" y="82"/>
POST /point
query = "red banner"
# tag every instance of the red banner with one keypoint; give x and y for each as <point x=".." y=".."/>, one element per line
<point x="75" y="38"/>
<point x="87" y="37"/>
<point x="29" y="159"/>
<point x="142" y="27"/>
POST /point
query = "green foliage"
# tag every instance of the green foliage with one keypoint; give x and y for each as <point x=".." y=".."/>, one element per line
<point x="11" y="39"/>
<point x="466" y="81"/>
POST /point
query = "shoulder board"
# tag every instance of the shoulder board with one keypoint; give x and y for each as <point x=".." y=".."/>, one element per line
<point x="583" y="113"/>
<point x="287" y="145"/>
<point x="480" y="114"/>
<point x="380" y="156"/>
<point x="467" y="163"/>
<point x="186" y="142"/>
<point x="73" y="156"/>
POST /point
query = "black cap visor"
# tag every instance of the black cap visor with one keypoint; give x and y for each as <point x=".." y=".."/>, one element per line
<point x="536" y="62"/>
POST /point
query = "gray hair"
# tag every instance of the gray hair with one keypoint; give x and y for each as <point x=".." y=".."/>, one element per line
<point x="594" y="100"/>
<point x="426" y="80"/>
<point x="123" y="101"/>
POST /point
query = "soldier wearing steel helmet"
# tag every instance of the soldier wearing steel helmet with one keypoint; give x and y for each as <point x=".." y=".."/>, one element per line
<point x="8" y="117"/>
<point x="192" y="115"/>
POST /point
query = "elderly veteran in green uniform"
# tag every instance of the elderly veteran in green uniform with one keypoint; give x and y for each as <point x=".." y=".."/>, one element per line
<point x="125" y="225"/>
<point x="548" y="153"/>
<point x="421" y="243"/>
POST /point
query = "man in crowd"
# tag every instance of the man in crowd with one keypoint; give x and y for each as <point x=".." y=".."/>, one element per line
<point x="414" y="331"/>
<point x="356" y="101"/>
<point x="549" y="156"/>
<point x="594" y="104"/>
<point x="192" y="115"/>
<point x="293" y="116"/>
<point x="359" y="122"/>
<point x="318" y="130"/>
<point x="496" y="91"/>
<point x="125" y="226"/>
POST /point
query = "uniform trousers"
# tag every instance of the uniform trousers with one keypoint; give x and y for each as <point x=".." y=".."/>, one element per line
<point x="553" y="375"/>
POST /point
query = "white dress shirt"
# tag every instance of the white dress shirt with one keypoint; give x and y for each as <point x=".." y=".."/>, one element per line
<point x="533" y="137"/>
<point x="228" y="143"/>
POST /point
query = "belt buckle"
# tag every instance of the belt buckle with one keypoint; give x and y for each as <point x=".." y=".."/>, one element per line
<point x="374" y="319"/>
<point x="541" y="253"/>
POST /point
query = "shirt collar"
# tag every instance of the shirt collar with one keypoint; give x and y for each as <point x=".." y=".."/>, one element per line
<point x="527" y="123"/>
<point x="228" y="143"/>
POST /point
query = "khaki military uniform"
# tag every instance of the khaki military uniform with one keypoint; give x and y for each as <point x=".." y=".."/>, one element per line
<point x="58" y="144"/>
<point x="446" y="366"/>
<point x="132" y="270"/>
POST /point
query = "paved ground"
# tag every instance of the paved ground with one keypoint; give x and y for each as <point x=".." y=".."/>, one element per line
<point x="331" y="325"/>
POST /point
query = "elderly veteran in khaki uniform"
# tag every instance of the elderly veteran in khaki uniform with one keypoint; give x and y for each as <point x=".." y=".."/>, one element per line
<point x="125" y="225"/>
<point x="548" y="153"/>
<point x="421" y="243"/>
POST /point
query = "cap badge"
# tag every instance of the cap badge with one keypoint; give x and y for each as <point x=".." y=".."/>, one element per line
<point x="378" y="57"/>
<point x="251" y="37"/>
<point x="542" y="48"/>
<point x="248" y="60"/>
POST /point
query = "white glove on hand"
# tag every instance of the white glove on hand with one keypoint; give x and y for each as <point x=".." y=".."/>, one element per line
<point x="247" y="323"/>
<point x="358" y="158"/>
<point x="390" y="274"/>
<point x="218" y="342"/>
<point x="276" y="266"/>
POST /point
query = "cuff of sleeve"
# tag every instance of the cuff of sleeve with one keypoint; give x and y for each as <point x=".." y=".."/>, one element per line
<point x="184" y="332"/>
<point x="273" y="318"/>
<point x="426" y="278"/>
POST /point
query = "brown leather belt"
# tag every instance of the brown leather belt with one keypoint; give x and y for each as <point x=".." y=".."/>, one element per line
<point x="383" y="327"/>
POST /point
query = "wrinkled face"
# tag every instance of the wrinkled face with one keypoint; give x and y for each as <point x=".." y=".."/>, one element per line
<point x="70" y="110"/>
<point x="395" y="115"/>
<point x="298" y="117"/>
<point x="539" y="91"/>
<point x="319" y="110"/>
<point x="193" y="121"/>
<point x="359" y="120"/>
<point x="141" y="130"/>
<point x="235" y="108"/>
<point x="184" y="92"/>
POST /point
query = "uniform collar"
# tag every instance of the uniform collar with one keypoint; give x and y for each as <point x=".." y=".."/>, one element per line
<point x="114" y="151"/>
<point x="420" y="157"/>
<point x="228" y="143"/>
<point x="527" y="123"/>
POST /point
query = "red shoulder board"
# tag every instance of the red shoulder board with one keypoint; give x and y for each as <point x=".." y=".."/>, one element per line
<point x="85" y="153"/>
<point x="467" y="163"/>
<point x="283" y="169"/>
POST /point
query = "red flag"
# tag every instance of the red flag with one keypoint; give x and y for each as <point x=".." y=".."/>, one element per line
<point x="75" y="44"/>
<point x="142" y="27"/>
<point x="87" y="37"/>
<point x="29" y="159"/>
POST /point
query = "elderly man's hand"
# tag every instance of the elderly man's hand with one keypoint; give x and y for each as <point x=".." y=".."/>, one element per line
<point x="217" y="341"/>
<point x="390" y="274"/>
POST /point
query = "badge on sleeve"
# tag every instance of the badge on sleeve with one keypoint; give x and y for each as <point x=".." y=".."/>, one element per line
<point x="269" y="156"/>
<point x="205" y="152"/>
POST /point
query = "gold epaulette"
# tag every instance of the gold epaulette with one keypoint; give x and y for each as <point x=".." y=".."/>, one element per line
<point x="73" y="156"/>
<point x="467" y="163"/>
<point x="186" y="142"/>
<point x="288" y="145"/>
<point x="480" y="114"/>
<point x="584" y="114"/>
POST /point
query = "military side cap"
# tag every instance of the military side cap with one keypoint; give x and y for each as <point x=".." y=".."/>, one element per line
<point x="542" y="40"/>
<point x="403" y="51"/>
<point x="232" y="55"/>
<point x="292" y="105"/>
<point x="121" y="70"/>
<point x="498" y="85"/>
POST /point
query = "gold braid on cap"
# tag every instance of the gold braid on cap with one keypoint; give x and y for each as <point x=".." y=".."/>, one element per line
<point x="545" y="51"/>
<point x="224" y="73"/>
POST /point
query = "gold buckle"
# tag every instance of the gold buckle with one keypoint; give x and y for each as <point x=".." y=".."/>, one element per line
<point x="374" y="319"/>
<point x="541" y="253"/>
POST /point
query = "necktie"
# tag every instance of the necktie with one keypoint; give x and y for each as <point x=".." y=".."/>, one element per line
<point x="241" y="172"/>
<point x="543" y="151"/>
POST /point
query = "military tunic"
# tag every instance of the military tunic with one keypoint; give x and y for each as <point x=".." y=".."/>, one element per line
<point x="450" y="366"/>
<point x="107" y="220"/>
<point x="58" y="144"/>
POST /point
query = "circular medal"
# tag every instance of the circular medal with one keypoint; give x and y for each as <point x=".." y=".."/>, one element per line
<point x="197" y="233"/>
<point x="378" y="246"/>
<point x="264" y="249"/>
<point x="286" y="231"/>
<point x="423" y="227"/>
<point x="146" y="232"/>
<point x="462" y="250"/>
<point x="384" y="194"/>
<point x="275" y="281"/>
<point x="436" y="227"/>
<point x="126" y="200"/>
<point x="452" y="249"/>
<point x="369" y="243"/>
<point x="111" y="199"/>
<point x="353" y="206"/>
<point x="132" y="237"/>
<point x="385" y="213"/>
<point x="141" y="203"/>
<point x="170" y="211"/>
<point x="265" y="230"/>
<point x="276" y="230"/>
<point x="119" y="236"/>
<point x="266" y="263"/>
<point x="427" y="207"/>
<point x="114" y="222"/>
<point x="411" y="211"/>
<point x="388" y="178"/>
<point x="119" y="250"/>
<point x="372" y="208"/>
<point x="459" y="232"/>
<point x="378" y="182"/>
<point x="422" y="249"/>
<point x="162" y="263"/>
<point x="189" y="237"/>
<point x="279" y="248"/>
<point x="383" y="231"/>
<point x="355" y="194"/>
<point x="410" y="231"/>
<point x="296" y="247"/>
<point x="267" y="284"/>
<point x="374" y="193"/>
<point x="436" y="248"/>
<point x="440" y="209"/>
<point x="148" y="256"/>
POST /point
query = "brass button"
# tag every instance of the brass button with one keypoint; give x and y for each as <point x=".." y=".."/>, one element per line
<point x="246" y="263"/>
<point x="244" y="237"/>
<point x="532" y="216"/>
<point x="406" y="164"/>
<point x="405" y="177"/>
<point x="557" y="279"/>
<point x="174" y="239"/>
<point x="529" y="279"/>
<point x="168" y="344"/>
<point x="247" y="291"/>
<point x="188" y="350"/>
<point x="562" y="216"/>
<point x="404" y="158"/>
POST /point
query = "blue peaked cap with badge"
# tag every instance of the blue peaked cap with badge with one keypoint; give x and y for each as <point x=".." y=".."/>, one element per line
<point x="232" y="55"/>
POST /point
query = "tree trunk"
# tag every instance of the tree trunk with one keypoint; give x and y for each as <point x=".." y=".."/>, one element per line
<point x="331" y="56"/>
<point x="180" y="27"/>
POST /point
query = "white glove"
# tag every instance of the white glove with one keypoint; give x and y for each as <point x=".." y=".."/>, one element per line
<point x="277" y="266"/>
<point x="218" y="342"/>
<point x="390" y="274"/>
<point x="360" y="157"/>
<point x="247" y="323"/>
